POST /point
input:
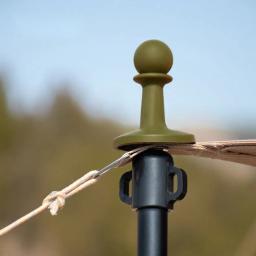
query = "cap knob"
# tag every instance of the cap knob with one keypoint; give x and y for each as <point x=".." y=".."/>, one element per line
<point x="153" y="56"/>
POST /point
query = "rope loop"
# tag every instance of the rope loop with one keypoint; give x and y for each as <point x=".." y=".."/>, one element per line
<point x="55" y="201"/>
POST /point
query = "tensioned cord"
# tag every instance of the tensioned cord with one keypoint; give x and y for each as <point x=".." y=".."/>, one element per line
<point x="56" y="199"/>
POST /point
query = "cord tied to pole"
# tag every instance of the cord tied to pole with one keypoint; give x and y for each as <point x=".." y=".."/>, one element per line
<point x="56" y="199"/>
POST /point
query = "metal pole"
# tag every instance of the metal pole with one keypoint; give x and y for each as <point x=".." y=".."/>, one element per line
<point x="152" y="196"/>
<point x="152" y="231"/>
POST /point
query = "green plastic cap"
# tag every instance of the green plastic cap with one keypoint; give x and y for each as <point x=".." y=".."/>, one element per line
<point x="153" y="59"/>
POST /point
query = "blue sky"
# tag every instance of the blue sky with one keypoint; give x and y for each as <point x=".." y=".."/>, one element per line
<point x="90" y="45"/>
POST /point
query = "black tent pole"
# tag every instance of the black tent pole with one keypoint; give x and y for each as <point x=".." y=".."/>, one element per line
<point x="152" y="195"/>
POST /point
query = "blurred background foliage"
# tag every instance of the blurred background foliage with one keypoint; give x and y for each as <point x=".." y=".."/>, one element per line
<point x="45" y="151"/>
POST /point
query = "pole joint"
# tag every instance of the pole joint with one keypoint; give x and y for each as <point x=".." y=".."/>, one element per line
<point x="153" y="181"/>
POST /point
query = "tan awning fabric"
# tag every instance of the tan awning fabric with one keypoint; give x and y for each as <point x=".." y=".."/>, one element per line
<point x="238" y="151"/>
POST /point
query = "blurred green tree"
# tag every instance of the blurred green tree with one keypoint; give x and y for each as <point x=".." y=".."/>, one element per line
<point x="5" y="118"/>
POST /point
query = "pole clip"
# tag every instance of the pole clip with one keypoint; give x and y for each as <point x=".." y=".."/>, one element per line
<point x="172" y="196"/>
<point x="181" y="190"/>
<point x="124" y="191"/>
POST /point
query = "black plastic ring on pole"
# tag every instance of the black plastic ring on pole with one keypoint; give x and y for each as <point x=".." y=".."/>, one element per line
<point x="181" y="191"/>
<point x="124" y="188"/>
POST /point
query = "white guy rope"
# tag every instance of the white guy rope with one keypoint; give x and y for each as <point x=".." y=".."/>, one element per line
<point x="56" y="199"/>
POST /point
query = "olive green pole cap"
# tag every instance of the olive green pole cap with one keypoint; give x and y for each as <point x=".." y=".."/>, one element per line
<point x="153" y="60"/>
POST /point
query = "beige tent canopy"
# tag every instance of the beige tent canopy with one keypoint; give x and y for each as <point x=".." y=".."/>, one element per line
<point x="238" y="151"/>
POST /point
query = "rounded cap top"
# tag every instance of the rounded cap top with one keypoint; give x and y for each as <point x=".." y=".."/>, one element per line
<point x="153" y="56"/>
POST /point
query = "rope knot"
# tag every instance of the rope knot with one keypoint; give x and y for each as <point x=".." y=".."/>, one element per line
<point x="55" y="200"/>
